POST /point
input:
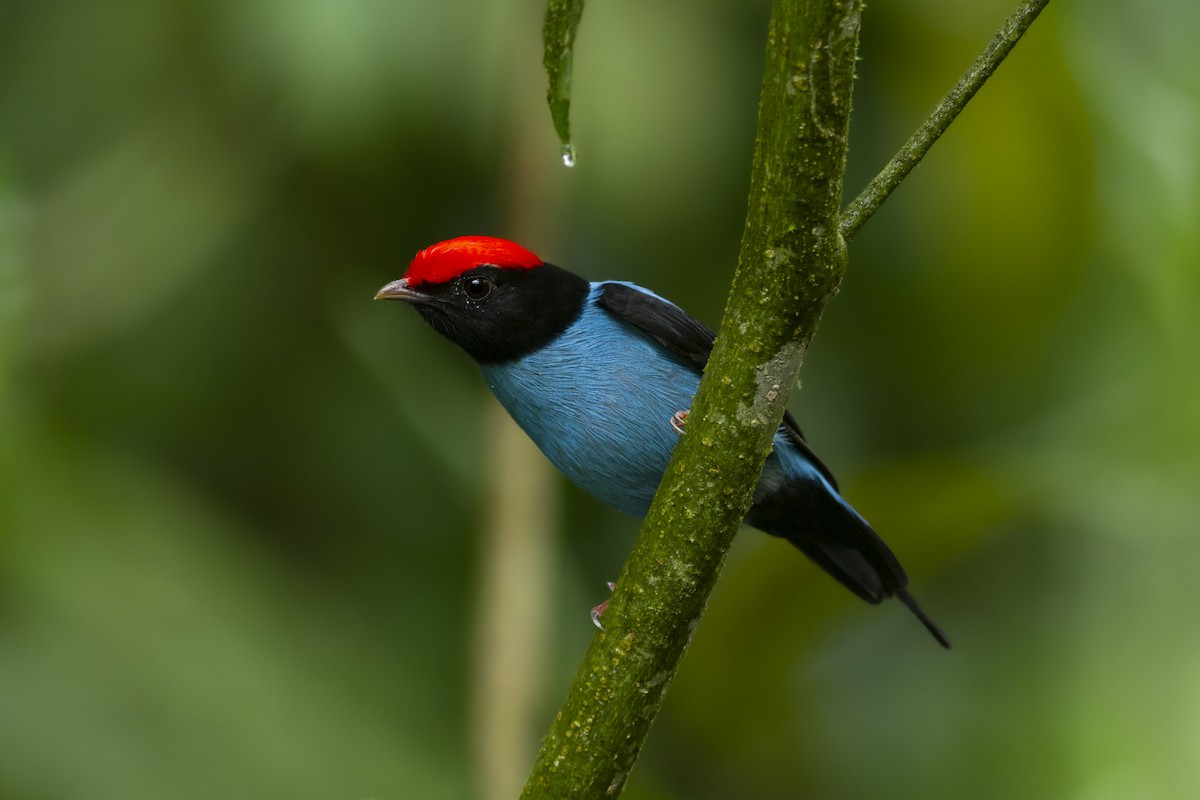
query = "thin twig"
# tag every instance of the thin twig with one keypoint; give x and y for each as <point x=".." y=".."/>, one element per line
<point x="878" y="190"/>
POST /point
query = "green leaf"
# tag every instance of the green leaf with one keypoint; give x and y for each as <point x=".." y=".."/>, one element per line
<point x="558" y="34"/>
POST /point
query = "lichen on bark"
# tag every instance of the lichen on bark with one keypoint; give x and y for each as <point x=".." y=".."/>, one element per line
<point x="791" y="262"/>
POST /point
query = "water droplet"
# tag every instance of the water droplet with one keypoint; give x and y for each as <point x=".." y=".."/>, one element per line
<point x="568" y="155"/>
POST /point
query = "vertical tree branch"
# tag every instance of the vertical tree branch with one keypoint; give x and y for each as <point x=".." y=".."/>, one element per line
<point x="791" y="262"/>
<point x="518" y="542"/>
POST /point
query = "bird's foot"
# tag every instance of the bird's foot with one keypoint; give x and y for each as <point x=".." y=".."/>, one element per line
<point x="679" y="420"/>
<point x="599" y="610"/>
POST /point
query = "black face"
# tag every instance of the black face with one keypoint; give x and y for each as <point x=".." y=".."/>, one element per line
<point x="499" y="315"/>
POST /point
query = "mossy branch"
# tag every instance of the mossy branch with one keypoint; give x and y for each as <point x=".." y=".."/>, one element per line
<point x="791" y="263"/>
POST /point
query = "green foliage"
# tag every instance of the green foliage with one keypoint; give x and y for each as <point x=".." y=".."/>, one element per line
<point x="558" y="34"/>
<point x="239" y="500"/>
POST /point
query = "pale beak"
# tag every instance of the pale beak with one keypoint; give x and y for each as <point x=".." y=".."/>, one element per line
<point x="399" y="290"/>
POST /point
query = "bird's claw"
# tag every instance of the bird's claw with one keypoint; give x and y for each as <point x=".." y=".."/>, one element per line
<point x="598" y="611"/>
<point x="678" y="421"/>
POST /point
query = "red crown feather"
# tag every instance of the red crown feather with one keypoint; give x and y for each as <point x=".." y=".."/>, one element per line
<point x="446" y="260"/>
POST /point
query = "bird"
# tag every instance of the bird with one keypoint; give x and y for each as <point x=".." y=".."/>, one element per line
<point x="601" y="374"/>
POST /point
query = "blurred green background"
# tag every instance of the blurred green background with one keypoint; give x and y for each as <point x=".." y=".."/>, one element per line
<point x="252" y="525"/>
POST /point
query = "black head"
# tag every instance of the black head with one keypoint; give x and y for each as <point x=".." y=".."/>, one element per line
<point x="494" y="299"/>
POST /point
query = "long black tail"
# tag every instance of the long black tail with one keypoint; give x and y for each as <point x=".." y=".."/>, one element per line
<point x="812" y="517"/>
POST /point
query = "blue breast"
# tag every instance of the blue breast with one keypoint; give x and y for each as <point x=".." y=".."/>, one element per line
<point x="598" y="402"/>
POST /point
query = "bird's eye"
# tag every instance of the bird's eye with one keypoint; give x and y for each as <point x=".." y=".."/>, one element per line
<point x="477" y="288"/>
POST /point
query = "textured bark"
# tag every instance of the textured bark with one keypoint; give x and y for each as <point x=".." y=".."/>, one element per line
<point x="791" y="262"/>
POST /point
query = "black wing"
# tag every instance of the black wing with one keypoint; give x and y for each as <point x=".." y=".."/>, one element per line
<point x="683" y="336"/>
<point x="687" y="339"/>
